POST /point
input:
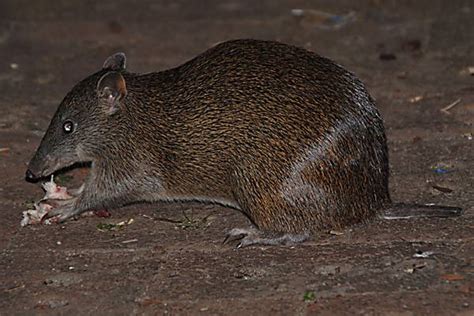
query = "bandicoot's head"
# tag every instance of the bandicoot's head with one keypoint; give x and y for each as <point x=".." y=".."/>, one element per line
<point x="82" y="124"/>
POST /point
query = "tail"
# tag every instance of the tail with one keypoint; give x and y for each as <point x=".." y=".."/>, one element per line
<point x="406" y="210"/>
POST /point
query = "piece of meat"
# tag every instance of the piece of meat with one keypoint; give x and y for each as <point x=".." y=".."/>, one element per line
<point x="41" y="208"/>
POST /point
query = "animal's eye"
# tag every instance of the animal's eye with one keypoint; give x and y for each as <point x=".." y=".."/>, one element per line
<point x="68" y="127"/>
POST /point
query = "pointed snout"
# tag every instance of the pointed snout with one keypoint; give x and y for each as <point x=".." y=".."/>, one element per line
<point x="35" y="168"/>
<point x="30" y="176"/>
<point x="34" y="171"/>
<point x="38" y="167"/>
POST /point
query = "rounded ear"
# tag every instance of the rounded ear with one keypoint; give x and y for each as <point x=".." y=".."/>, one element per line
<point x="111" y="89"/>
<point x="117" y="61"/>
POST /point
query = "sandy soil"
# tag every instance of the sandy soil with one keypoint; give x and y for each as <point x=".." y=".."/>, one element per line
<point x="414" y="59"/>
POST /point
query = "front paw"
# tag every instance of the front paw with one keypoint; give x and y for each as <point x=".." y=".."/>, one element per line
<point x="61" y="210"/>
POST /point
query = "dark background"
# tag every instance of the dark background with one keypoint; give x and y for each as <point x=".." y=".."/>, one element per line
<point x="414" y="57"/>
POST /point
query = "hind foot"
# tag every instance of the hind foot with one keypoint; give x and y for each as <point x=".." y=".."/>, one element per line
<point x="252" y="236"/>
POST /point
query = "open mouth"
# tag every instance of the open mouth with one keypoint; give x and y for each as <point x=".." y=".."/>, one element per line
<point x="47" y="173"/>
<point x="73" y="176"/>
<point x="61" y="188"/>
<point x="70" y="168"/>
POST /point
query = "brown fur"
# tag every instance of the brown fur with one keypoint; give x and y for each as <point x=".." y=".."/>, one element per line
<point x="288" y="137"/>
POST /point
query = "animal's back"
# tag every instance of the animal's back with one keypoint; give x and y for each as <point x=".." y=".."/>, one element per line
<point x="291" y="138"/>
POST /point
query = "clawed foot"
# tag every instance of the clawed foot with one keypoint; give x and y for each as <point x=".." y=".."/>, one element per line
<point x="247" y="237"/>
<point x="61" y="209"/>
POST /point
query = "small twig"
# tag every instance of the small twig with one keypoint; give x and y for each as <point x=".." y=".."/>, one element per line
<point x="21" y="286"/>
<point x="129" y="241"/>
<point x="450" y="106"/>
<point x="162" y="219"/>
<point x="186" y="216"/>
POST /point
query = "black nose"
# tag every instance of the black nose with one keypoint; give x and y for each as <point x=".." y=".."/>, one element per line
<point x="30" y="176"/>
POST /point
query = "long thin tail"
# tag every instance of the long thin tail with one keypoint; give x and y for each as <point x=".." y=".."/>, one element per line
<point x="406" y="210"/>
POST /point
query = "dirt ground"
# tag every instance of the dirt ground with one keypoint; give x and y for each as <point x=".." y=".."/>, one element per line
<point x="414" y="58"/>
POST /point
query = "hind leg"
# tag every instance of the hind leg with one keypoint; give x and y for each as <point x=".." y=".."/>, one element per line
<point x="276" y="224"/>
<point x="276" y="220"/>
<point x="287" y="207"/>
